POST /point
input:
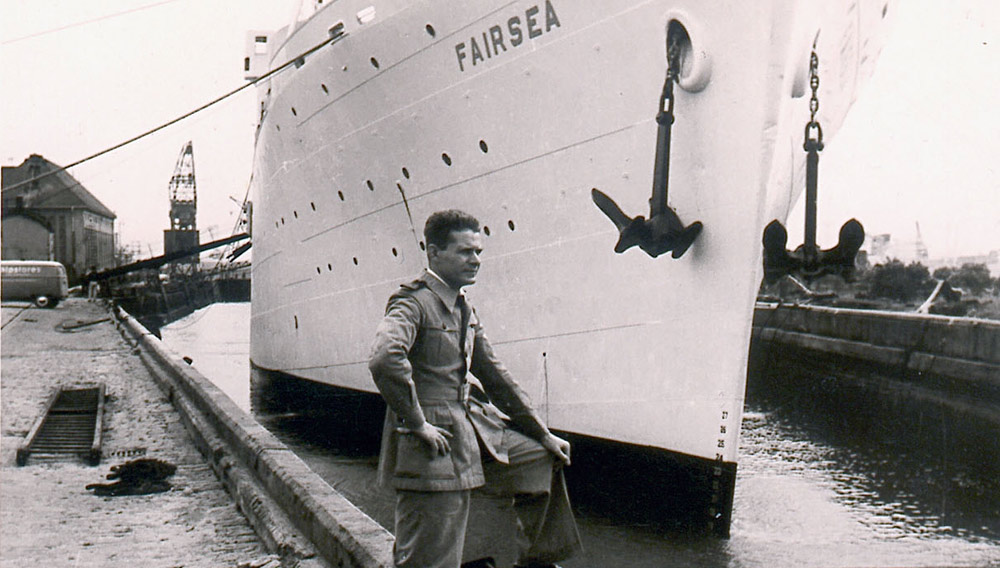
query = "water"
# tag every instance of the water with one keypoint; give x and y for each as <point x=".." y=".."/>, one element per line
<point x="810" y="490"/>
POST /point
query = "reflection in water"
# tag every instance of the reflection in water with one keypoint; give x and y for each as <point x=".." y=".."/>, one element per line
<point x="826" y="478"/>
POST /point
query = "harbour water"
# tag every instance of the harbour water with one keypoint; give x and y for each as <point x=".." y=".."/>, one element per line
<point x="815" y="487"/>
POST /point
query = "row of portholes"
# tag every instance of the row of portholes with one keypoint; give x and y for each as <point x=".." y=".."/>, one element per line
<point x="486" y="228"/>
<point x="374" y="63"/>
<point x="329" y="266"/>
<point x="295" y="213"/>
<point x="371" y="186"/>
<point x="483" y="146"/>
<point x="395" y="251"/>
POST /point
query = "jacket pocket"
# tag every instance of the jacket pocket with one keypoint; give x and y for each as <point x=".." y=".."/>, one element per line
<point x="414" y="459"/>
<point x="440" y="343"/>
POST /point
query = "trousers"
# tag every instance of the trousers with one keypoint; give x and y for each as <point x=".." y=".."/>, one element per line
<point x="430" y="525"/>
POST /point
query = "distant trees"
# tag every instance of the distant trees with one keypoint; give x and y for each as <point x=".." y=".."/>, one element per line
<point x="901" y="282"/>
<point x="897" y="281"/>
<point x="972" y="278"/>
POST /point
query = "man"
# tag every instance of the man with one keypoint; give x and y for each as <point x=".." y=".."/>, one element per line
<point x="93" y="287"/>
<point x="443" y="436"/>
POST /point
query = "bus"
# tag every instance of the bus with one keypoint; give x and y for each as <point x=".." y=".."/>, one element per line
<point x="40" y="281"/>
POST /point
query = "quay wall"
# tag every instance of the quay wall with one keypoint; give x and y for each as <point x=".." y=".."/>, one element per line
<point x="296" y="513"/>
<point x="953" y="357"/>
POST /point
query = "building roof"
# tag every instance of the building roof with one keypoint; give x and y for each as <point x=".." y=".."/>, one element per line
<point x="56" y="191"/>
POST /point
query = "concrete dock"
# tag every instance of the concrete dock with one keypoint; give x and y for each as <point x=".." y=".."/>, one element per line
<point x="47" y="517"/>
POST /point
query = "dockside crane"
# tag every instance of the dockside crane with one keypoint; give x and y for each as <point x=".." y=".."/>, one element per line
<point x="183" y="191"/>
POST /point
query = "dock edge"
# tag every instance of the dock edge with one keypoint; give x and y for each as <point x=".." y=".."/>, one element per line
<point x="296" y="513"/>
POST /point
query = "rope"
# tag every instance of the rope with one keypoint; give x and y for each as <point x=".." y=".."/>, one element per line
<point x="278" y="69"/>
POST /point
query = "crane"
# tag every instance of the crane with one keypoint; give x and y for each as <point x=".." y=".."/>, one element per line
<point x="183" y="191"/>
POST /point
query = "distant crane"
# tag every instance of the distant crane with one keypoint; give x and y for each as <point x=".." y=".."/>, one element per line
<point x="921" y="248"/>
<point x="183" y="190"/>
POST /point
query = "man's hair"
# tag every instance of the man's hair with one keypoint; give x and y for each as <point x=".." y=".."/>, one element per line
<point x="439" y="226"/>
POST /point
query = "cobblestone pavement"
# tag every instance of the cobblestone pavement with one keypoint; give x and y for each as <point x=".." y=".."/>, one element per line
<point x="47" y="517"/>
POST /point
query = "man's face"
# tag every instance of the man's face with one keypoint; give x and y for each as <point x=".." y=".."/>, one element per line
<point x="458" y="263"/>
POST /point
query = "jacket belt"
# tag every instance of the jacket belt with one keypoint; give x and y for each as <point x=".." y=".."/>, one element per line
<point x="430" y="393"/>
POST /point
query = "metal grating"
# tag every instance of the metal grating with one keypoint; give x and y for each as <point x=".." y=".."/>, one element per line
<point x="70" y="425"/>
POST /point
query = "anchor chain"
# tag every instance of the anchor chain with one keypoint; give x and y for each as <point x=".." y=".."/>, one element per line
<point x="812" y="145"/>
<point x="665" y="120"/>
<point x="807" y="261"/>
<point x="663" y="231"/>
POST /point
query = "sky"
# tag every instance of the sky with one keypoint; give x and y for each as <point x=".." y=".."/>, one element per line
<point x="921" y="144"/>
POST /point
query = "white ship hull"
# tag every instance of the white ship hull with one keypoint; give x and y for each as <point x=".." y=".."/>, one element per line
<point x="358" y="145"/>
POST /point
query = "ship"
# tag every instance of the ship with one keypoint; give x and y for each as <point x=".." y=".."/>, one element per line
<point x="543" y="118"/>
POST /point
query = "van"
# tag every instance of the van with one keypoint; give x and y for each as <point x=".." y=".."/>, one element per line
<point x="41" y="281"/>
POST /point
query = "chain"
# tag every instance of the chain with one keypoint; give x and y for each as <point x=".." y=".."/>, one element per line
<point x="666" y="114"/>
<point x="814" y="83"/>
<point x="814" y="133"/>
<point x="673" y="57"/>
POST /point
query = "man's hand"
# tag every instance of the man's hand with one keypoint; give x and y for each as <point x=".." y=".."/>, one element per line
<point x="557" y="446"/>
<point x="435" y="437"/>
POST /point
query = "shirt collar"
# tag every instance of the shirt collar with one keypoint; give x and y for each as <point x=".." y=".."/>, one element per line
<point x="437" y="285"/>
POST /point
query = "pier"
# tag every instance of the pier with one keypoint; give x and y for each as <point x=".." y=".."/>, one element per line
<point x="947" y="362"/>
<point x="48" y="517"/>
<point x="238" y="497"/>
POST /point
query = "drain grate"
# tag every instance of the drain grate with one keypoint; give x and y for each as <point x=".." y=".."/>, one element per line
<point x="70" y="425"/>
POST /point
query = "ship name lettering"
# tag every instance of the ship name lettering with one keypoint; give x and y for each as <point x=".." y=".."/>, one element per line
<point x="490" y="43"/>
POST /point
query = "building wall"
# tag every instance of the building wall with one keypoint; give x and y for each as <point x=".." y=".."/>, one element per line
<point x="82" y="239"/>
<point x="25" y="239"/>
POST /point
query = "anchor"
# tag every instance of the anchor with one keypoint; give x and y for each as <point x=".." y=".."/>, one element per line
<point x="663" y="231"/>
<point x="808" y="261"/>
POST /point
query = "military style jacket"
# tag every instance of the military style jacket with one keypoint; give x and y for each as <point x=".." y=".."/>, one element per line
<point x="432" y="362"/>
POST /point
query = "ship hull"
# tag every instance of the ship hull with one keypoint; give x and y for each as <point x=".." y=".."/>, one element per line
<point x="430" y="106"/>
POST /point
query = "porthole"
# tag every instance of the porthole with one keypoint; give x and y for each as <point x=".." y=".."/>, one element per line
<point x="296" y="213"/>
<point x="313" y="205"/>
<point x="446" y="159"/>
<point x="296" y="321"/>
<point x="430" y="30"/>
<point x="325" y="90"/>
<point x="486" y="230"/>
<point x="355" y="261"/>
<point x="483" y="146"/>
<point x="395" y="252"/>
<point x="510" y="225"/>
<point x="340" y="194"/>
<point x="275" y="224"/>
<point x="318" y="271"/>
<point x="406" y="173"/>
<point x="371" y="186"/>
<point x="329" y="267"/>
<point x="294" y="112"/>
<point x="374" y="62"/>
<point x="282" y="220"/>
<point x="422" y="246"/>
<point x="278" y="126"/>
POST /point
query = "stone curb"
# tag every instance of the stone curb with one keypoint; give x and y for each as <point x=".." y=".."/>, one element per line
<point x="279" y="494"/>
